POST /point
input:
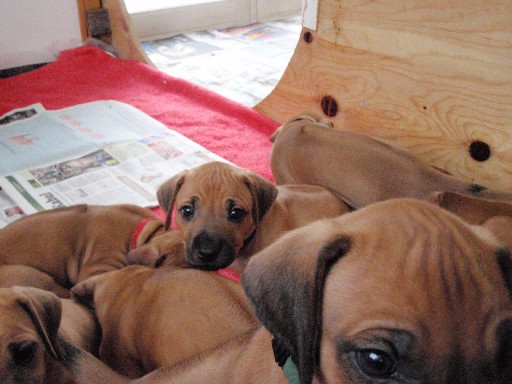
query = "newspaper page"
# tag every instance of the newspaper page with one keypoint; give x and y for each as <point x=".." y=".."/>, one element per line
<point x="103" y="152"/>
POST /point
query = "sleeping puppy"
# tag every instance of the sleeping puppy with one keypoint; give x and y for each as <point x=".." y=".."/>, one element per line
<point x="359" y="169"/>
<point x="73" y="243"/>
<point x="29" y="318"/>
<point x="152" y="318"/>
<point x="227" y="214"/>
<point x="398" y="292"/>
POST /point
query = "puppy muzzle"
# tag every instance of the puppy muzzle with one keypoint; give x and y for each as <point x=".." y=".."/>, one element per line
<point x="210" y="251"/>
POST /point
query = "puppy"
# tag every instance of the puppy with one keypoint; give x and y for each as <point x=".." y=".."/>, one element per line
<point x="227" y="214"/>
<point x="151" y="318"/>
<point x="29" y="318"/>
<point x="73" y="243"/>
<point x="359" y="169"/>
<point x="401" y="291"/>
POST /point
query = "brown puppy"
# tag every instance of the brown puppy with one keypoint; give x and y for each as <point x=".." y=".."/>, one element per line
<point x="73" y="243"/>
<point x="151" y="318"/>
<point x="359" y="169"/>
<point x="227" y="213"/>
<point x="398" y="292"/>
<point x="492" y="214"/>
<point x="29" y="317"/>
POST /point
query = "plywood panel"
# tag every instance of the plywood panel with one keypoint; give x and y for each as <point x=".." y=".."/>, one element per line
<point x="432" y="76"/>
<point x="124" y="38"/>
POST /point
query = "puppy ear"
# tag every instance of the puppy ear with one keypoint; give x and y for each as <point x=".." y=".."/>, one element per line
<point x="83" y="292"/>
<point x="303" y="116"/>
<point x="263" y="194"/>
<point x="166" y="195"/>
<point x="166" y="249"/>
<point x="285" y="284"/>
<point x="45" y="310"/>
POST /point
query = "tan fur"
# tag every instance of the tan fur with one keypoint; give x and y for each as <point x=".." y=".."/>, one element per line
<point x="359" y="169"/>
<point x="475" y="210"/>
<point x="216" y="188"/>
<point x="73" y="243"/>
<point x="501" y="227"/>
<point x="29" y="317"/>
<point x="491" y="214"/>
<point x="22" y="275"/>
<point x="402" y="282"/>
<point x="151" y="318"/>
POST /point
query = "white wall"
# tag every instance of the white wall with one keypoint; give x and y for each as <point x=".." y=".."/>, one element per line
<point x="34" y="31"/>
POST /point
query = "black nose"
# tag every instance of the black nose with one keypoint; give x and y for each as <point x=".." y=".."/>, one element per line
<point x="207" y="246"/>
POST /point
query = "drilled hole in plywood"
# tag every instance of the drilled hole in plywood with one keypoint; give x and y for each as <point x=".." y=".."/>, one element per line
<point x="479" y="150"/>
<point x="308" y="37"/>
<point x="329" y="106"/>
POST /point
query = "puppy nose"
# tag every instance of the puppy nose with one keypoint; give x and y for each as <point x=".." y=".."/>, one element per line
<point x="207" y="246"/>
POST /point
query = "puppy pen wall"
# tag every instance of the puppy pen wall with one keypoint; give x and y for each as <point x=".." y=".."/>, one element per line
<point x="431" y="76"/>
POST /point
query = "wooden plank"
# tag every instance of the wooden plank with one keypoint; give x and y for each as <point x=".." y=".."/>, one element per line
<point x="83" y="7"/>
<point x="485" y="19"/>
<point x="124" y="38"/>
<point x="435" y="99"/>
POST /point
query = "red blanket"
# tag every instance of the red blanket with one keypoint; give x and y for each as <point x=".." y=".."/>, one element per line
<point x="233" y="131"/>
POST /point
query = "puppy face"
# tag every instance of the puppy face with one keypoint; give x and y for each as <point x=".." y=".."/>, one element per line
<point x="398" y="292"/>
<point x="218" y="208"/>
<point x="29" y="318"/>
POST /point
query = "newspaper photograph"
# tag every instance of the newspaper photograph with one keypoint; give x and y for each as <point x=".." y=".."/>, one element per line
<point x="103" y="152"/>
<point x="9" y="210"/>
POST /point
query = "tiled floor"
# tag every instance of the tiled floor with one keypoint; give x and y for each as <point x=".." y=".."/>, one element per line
<point x="242" y="63"/>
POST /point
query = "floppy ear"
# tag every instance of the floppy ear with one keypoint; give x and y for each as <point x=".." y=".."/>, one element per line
<point x="285" y="283"/>
<point x="83" y="292"/>
<point x="166" y="195"/>
<point x="45" y="311"/>
<point x="165" y="249"/>
<point x="145" y="253"/>
<point x="308" y="116"/>
<point x="263" y="194"/>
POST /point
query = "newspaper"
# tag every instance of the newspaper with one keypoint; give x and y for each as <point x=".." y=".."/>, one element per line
<point x="103" y="152"/>
<point x="9" y="210"/>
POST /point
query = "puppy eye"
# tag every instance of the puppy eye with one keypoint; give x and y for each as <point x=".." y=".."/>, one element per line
<point x="236" y="214"/>
<point x="187" y="212"/>
<point x="23" y="352"/>
<point x="375" y="363"/>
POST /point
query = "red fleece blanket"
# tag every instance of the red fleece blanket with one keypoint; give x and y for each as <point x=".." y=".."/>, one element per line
<point x="231" y="130"/>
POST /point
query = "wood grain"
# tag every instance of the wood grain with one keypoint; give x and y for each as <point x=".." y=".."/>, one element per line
<point x="431" y="76"/>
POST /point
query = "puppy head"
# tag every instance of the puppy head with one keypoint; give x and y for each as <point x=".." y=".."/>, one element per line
<point x="303" y="119"/>
<point x="218" y="208"/>
<point x="29" y="322"/>
<point x="398" y="292"/>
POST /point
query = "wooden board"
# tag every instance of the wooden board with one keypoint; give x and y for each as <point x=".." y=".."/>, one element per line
<point x="433" y="76"/>
<point x="124" y="38"/>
